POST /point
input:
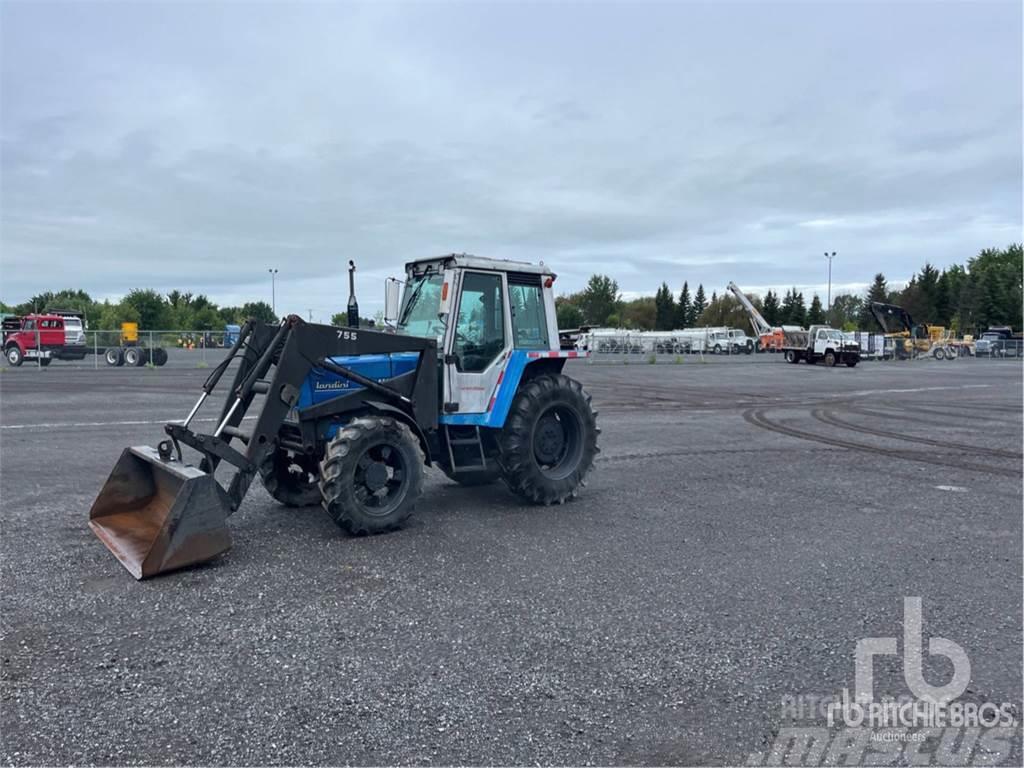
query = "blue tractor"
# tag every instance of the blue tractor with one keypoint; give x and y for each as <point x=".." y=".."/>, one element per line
<point x="467" y="377"/>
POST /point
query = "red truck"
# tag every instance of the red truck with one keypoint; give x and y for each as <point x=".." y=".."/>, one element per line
<point x="51" y="335"/>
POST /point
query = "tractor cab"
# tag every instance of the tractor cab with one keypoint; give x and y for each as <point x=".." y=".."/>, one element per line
<point x="485" y="314"/>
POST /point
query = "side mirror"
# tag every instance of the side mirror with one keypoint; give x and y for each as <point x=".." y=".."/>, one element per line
<point x="391" y="293"/>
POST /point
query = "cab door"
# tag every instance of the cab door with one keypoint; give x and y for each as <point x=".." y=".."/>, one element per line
<point x="820" y="342"/>
<point x="478" y="339"/>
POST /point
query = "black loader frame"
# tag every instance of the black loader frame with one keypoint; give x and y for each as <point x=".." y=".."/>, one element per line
<point x="156" y="514"/>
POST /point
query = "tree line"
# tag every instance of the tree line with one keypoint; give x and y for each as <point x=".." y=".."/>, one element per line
<point x="150" y="309"/>
<point x="967" y="298"/>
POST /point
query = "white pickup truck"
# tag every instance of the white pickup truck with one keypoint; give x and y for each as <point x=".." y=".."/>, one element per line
<point x="820" y="343"/>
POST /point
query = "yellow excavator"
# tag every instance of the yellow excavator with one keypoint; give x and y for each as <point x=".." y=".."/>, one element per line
<point x="911" y="340"/>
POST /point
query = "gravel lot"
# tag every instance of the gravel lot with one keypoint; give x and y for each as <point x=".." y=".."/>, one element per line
<point x="745" y="525"/>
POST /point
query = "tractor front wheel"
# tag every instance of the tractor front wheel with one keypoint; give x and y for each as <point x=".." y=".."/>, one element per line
<point x="549" y="441"/>
<point x="292" y="478"/>
<point x="14" y="356"/>
<point x="371" y="475"/>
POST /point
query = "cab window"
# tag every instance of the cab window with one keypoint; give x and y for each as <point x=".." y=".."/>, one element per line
<point x="480" y="329"/>
<point x="529" y="323"/>
<point x="30" y="325"/>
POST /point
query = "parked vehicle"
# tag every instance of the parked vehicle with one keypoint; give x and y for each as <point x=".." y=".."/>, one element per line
<point x="769" y="338"/>
<point x="820" y="344"/>
<point x="347" y="417"/>
<point x="51" y="335"/>
<point x="132" y="351"/>
<point x="999" y="341"/>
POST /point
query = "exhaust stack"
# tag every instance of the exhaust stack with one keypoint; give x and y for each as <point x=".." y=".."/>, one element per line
<point x="353" y="305"/>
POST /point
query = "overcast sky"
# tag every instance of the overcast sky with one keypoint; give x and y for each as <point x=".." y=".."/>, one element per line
<point x="194" y="146"/>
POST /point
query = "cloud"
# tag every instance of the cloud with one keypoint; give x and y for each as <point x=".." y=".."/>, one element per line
<point x="193" y="147"/>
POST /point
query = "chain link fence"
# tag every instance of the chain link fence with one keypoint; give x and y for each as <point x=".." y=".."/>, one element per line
<point x="197" y="349"/>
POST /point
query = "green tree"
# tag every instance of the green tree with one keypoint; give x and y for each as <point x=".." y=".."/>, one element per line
<point x="261" y="311"/>
<point x="770" y="310"/>
<point x="151" y="308"/>
<point x="816" y="314"/>
<point x="665" y="309"/>
<point x="845" y="311"/>
<point x="599" y="299"/>
<point x="231" y="315"/>
<point x="725" y="311"/>
<point x="793" y="311"/>
<point x="568" y="312"/>
<point x="879" y="291"/>
<point x="700" y="303"/>
<point x="639" y="314"/>
<point x="684" y="308"/>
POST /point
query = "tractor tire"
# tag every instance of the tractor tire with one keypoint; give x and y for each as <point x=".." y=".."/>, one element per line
<point x="369" y="455"/>
<point x="159" y="356"/>
<point x="474" y="477"/>
<point x="790" y="356"/>
<point x="549" y="441"/>
<point x="45" y="361"/>
<point x="133" y="357"/>
<point x="717" y="349"/>
<point x="291" y="478"/>
<point x="940" y="354"/>
<point x="830" y="359"/>
<point x="114" y="356"/>
<point x="851" y="363"/>
<point x="15" y="357"/>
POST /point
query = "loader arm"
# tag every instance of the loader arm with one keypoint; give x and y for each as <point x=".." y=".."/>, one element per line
<point x="275" y="361"/>
<point x="155" y="513"/>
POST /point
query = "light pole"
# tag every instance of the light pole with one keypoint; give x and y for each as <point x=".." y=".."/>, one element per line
<point x="828" y="301"/>
<point x="273" y="290"/>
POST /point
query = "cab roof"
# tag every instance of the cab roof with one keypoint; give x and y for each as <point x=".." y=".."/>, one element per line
<point x="469" y="261"/>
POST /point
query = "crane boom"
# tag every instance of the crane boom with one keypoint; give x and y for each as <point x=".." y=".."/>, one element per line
<point x="761" y="327"/>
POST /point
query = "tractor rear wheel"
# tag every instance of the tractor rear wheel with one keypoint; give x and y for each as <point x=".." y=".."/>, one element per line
<point x="371" y="475"/>
<point x="114" y="356"/>
<point x="159" y="356"/>
<point x="549" y="441"/>
<point x="291" y="478"/>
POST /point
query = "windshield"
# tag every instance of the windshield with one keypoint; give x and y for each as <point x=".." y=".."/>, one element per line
<point x="835" y="335"/>
<point x="72" y="324"/>
<point x="420" y="303"/>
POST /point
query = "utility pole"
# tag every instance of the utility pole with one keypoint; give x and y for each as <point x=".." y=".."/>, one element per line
<point x="273" y="290"/>
<point x="828" y="301"/>
<point x="310" y="311"/>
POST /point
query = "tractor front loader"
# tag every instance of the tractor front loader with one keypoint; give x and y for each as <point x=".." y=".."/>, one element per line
<point x="469" y="379"/>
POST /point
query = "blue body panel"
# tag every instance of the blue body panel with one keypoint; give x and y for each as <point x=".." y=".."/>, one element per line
<point x="321" y="386"/>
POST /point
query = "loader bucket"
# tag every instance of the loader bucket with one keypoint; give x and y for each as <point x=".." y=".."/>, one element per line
<point x="157" y="516"/>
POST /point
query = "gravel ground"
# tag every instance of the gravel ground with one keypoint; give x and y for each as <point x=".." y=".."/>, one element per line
<point x="744" y="527"/>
